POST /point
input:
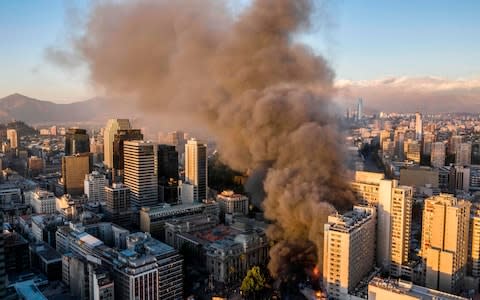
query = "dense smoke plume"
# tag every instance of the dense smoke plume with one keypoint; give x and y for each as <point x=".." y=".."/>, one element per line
<point x="264" y="97"/>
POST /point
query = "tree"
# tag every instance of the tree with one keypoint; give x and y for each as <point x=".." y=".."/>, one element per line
<point x="253" y="282"/>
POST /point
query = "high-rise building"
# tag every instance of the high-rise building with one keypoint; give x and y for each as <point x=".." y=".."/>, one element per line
<point x="167" y="163"/>
<point x="349" y="252"/>
<point x="400" y="228"/>
<point x="74" y="169"/>
<point x="399" y="139"/>
<point x="43" y="202"/>
<point x="119" y="138"/>
<point x="454" y="143"/>
<point x="360" y="109"/>
<point x="413" y="151"/>
<point x="140" y="173"/>
<point x="476" y="153"/>
<point x="177" y="139"/>
<point x="474" y="242"/>
<point x="394" y="207"/>
<point x="428" y="140"/>
<point x="463" y="156"/>
<point x="437" y="158"/>
<point x="418" y="126"/>
<point x="76" y="141"/>
<point x="444" y="246"/>
<point x="118" y="206"/>
<point x="384" y="135"/>
<point x="94" y="186"/>
<point x="12" y="136"/>
<point x="113" y="125"/>
<point x="196" y="168"/>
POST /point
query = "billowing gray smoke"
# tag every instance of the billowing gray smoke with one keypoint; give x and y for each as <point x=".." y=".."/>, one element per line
<point x="265" y="97"/>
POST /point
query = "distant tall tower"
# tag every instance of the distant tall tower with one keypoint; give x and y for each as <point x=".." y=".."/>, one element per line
<point x="444" y="246"/>
<point x="140" y="173"/>
<point x="418" y="126"/>
<point x="113" y="125"/>
<point x="196" y="168"/>
<point x="360" y="109"/>
<point x="12" y="136"/>
<point x="76" y="141"/>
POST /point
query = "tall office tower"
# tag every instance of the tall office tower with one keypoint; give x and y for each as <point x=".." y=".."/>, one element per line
<point x="428" y="139"/>
<point x="12" y="136"/>
<point x="113" y="125"/>
<point x="413" y="151"/>
<point x="167" y="163"/>
<point x="177" y="139"/>
<point x="437" y="158"/>
<point x="94" y="186"/>
<point x="196" y="168"/>
<point x="349" y="250"/>
<point x="463" y="156"/>
<point x="400" y="228"/>
<point x="454" y="144"/>
<point x="399" y="139"/>
<point x="74" y="169"/>
<point x="394" y="205"/>
<point x="140" y="173"/>
<point x="476" y="153"/>
<point x="3" y="274"/>
<point x="117" y="209"/>
<point x="474" y="242"/>
<point x="119" y="138"/>
<point x="418" y="126"/>
<point x="360" y="109"/>
<point x="76" y="141"/>
<point x="388" y="148"/>
<point x="445" y="242"/>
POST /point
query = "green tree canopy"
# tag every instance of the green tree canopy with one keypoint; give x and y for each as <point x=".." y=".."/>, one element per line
<point x="253" y="282"/>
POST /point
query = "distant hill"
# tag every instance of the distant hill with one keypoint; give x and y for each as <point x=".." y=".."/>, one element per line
<point x="34" y="111"/>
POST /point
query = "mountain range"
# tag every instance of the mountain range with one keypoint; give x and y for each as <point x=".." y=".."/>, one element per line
<point x="34" y="111"/>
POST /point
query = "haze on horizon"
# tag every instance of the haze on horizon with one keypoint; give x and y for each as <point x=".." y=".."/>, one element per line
<point x="386" y="52"/>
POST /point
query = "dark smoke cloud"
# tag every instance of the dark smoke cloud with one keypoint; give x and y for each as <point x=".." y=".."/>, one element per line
<point x="264" y="97"/>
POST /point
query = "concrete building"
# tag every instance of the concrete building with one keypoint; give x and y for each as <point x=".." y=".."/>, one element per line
<point x="76" y="142"/>
<point x="228" y="259"/>
<point x="12" y="136"/>
<point x="231" y="203"/>
<point x="394" y="206"/>
<point x="94" y="186"/>
<point x="379" y="289"/>
<point x="140" y="173"/>
<point x="418" y="126"/>
<point x="119" y="139"/>
<point x="74" y="169"/>
<point x="118" y="208"/>
<point x="463" y="155"/>
<point x="474" y="242"/>
<point x="418" y="176"/>
<point x="43" y="202"/>
<point x="437" y="158"/>
<point x="168" y="177"/>
<point x="444" y="246"/>
<point x="113" y="125"/>
<point x="413" y="152"/>
<point x="348" y="254"/>
<point x="428" y="140"/>
<point x="169" y="264"/>
<point x="196" y="168"/>
<point x="152" y="219"/>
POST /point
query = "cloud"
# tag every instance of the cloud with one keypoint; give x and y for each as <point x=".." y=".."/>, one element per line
<point x="409" y="94"/>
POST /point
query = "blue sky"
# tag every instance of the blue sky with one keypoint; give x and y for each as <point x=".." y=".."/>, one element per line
<point x="363" y="40"/>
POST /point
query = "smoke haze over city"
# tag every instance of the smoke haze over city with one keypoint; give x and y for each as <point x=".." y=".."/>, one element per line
<point x="265" y="98"/>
